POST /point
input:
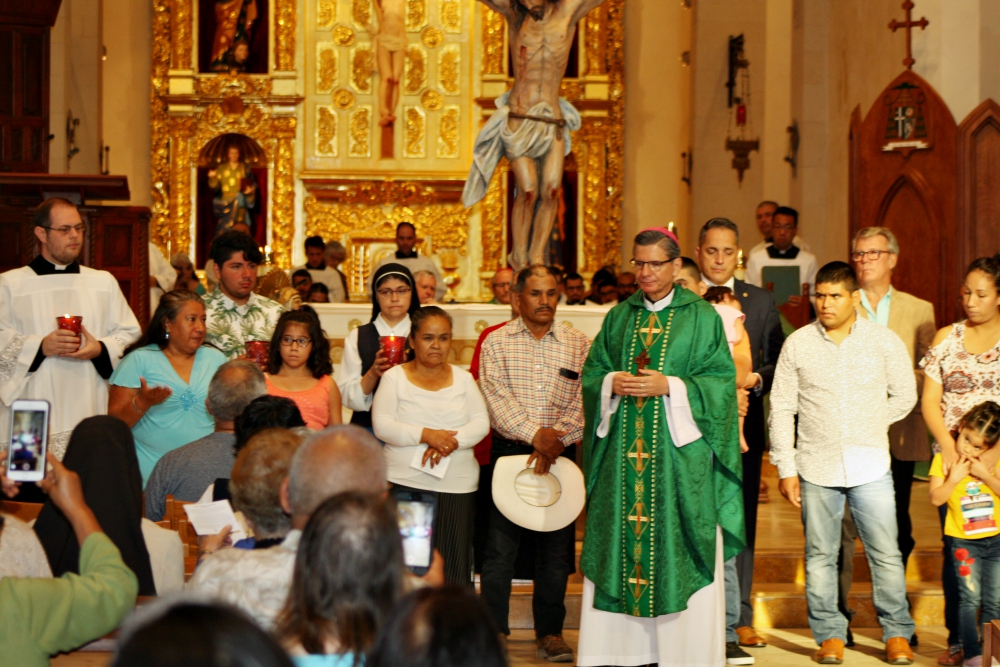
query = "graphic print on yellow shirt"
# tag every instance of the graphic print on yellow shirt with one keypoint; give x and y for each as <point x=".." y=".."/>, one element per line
<point x="971" y="506"/>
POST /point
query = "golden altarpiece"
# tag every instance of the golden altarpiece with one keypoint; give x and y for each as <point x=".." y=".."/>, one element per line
<point x="326" y="166"/>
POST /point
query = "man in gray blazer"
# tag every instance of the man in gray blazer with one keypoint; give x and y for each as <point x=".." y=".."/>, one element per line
<point x="717" y="254"/>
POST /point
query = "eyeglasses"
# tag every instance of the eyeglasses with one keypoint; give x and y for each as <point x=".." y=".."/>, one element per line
<point x="389" y="293"/>
<point x="655" y="266"/>
<point x="288" y="341"/>
<point x="871" y="254"/>
<point x="79" y="229"/>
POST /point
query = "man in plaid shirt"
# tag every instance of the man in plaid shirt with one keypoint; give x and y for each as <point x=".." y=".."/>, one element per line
<point x="530" y="376"/>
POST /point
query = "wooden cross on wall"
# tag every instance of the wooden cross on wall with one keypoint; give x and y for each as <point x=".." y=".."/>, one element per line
<point x="909" y="24"/>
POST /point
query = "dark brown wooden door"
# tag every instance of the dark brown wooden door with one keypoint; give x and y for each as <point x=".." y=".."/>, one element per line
<point x="24" y="98"/>
<point x="903" y="176"/>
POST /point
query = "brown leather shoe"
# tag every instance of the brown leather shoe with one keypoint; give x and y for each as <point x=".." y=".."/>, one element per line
<point x="831" y="652"/>
<point x="953" y="656"/>
<point x="898" y="651"/>
<point x="747" y="636"/>
<point x="553" y="649"/>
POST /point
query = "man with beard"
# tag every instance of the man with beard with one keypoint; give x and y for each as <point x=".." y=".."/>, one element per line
<point x="38" y="360"/>
<point x="532" y="123"/>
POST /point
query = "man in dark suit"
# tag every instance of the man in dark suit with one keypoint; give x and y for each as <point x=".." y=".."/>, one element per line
<point x="717" y="254"/>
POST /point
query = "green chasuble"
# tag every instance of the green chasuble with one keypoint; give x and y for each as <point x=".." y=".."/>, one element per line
<point x="652" y="507"/>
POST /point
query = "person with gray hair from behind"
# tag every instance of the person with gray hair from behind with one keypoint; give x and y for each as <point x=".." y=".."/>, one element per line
<point x="186" y="471"/>
<point x="336" y="460"/>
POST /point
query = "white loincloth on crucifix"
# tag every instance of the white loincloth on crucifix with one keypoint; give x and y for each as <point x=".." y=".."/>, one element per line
<point x="532" y="139"/>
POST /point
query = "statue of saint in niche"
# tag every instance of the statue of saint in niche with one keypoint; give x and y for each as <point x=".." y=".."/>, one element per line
<point x="234" y="21"/>
<point x="532" y="124"/>
<point x="391" y="41"/>
<point x="235" y="191"/>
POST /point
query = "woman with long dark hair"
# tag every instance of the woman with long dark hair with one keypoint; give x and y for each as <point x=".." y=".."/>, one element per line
<point x="348" y="576"/>
<point x="299" y="368"/>
<point x="364" y="361"/>
<point x="430" y="411"/>
<point x="962" y="370"/>
<point x="160" y="385"/>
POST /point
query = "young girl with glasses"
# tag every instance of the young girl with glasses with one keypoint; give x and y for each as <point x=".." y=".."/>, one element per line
<point x="299" y="368"/>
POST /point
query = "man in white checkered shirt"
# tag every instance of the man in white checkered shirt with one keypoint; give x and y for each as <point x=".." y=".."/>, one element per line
<point x="530" y="376"/>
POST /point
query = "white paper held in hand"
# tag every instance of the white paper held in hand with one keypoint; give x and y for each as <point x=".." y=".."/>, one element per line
<point x="210" y="518"/>
<point x="439" y="469"/>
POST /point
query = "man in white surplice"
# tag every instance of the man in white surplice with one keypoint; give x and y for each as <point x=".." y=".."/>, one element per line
<point x="40" y="361"/>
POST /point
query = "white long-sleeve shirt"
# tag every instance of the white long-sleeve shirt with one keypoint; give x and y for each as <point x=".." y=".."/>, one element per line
<point x="349" y="373"/>
<point x="402" y="410"/>
<point x="845" y="396"/>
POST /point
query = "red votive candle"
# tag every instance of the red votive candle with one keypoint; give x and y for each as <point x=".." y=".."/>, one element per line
<point x="257" y="351"/>
<point x="70" y="323"/>
<point x="394" y="348"/>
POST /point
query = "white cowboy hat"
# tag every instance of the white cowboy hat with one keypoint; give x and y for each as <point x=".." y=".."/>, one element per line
<point x="538" y="502"/>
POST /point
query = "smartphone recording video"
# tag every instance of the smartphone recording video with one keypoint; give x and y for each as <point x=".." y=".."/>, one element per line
<point x="416" y="521"/>
<point x="28" y="441"/>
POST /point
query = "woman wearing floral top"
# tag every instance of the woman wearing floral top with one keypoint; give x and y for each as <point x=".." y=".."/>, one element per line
<point x="962" y="370"/>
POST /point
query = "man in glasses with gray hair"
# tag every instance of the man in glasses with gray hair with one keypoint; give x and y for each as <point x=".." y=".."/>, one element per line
<point x="40" y="360"/>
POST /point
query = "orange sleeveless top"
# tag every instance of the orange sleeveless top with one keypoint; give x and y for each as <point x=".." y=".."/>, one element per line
<point x="314" y="404"/>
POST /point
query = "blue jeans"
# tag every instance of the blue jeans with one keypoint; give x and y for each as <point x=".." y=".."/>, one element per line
<point x="978" y="586"/>
<point x="732" y="598"/>
<point x="873" y="507"/>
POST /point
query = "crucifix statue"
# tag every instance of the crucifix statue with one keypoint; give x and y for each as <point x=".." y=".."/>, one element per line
<point x="532" y="124"/>
<point x="908" y="24"/>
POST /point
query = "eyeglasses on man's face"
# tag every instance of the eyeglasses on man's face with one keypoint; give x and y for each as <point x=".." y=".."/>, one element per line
<point x="79" y="229"/>
<point x="873" y="255"/>
<point x="655" y="266"/>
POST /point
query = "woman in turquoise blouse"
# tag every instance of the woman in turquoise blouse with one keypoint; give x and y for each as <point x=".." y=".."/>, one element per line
<point x="160" y="385"/>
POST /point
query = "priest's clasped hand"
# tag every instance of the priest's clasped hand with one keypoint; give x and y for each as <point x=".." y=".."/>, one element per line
<point x="90" y="348"/>
<point x="647" y="383"/>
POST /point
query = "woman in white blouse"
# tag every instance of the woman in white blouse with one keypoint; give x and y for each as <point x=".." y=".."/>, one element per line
<point x="364" y="362"/>
<point x="430" y="415"/>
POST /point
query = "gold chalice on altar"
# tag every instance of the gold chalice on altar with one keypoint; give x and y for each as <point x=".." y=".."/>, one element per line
<point x="449" y="267"/>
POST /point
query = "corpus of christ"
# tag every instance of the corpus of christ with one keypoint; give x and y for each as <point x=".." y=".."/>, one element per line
<point x="486" y="333"/>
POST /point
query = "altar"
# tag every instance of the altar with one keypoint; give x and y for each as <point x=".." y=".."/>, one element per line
<point x="299" y="89"/>
<point x="470" y="320"/>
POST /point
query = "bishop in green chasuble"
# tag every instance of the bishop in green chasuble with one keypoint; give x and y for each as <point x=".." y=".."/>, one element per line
<point x="658" y="488"/>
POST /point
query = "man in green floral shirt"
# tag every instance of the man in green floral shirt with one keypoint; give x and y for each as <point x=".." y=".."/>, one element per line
<point x="235" y="313"/>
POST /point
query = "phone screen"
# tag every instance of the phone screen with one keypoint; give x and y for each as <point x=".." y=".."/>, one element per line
<point x="27" y="442"/>
<point x="416" y="519"/>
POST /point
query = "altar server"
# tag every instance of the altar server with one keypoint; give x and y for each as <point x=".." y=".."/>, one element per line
<point x="40" y="361"/>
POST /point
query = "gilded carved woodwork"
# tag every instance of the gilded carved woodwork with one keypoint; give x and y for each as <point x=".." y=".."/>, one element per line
<point x="416" y="14"/>
<point x="160" y="230"/>
<point x="415" y="121"/>
<point x="361" y="13"/>
<point x="448" y="132"/>
<point x="432" y="37"/>
<point x="284" y="34"/>
<point x="326" y="13"/>
<point x="343" y="35"/>
<point x="180" y="28"/>
<point x="362" y="61"/>
<point x="229" y="85"/>
<point x="494" y="219"/>
<point x="359" y="139"/>
<point x="450" y="69"/>
<point x="450" y="13"/>
<point x="414" y="70"/>
<point x="593" y="34"/>
<point x="326" y="131"/>
<point x="494" y="34"/>
<point x="432" y="100"/>
<point x="326" y="67"/>
<point x="343" y="99"/>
